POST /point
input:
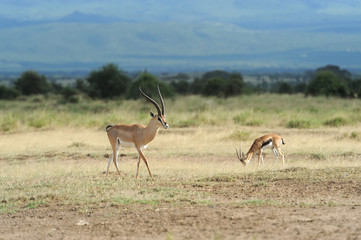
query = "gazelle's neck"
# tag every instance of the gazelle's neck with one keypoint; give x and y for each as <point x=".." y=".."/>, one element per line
<point x="152" y="125"/>
<point x="151" y="130"/>
<point x="249" y="156"/>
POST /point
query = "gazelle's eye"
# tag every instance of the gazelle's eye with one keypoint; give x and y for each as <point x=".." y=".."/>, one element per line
<point x="159" y="119"/>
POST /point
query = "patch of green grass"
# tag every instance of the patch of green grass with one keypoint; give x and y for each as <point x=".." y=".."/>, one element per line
<point x="336" y="122"/>
<point x="259" y="203"/>
<point x="298" y="123"/>
<point x="187" y="123"/>
<point x="8" y="123"/>
<point x="38" y="122"/>
<point x="355" y="136"/>
<point x="34" y="204"/>
<point x="318" y="156"/>
<point x="240" y="118"/>
<point x="128" y="201"/>
<point x="6" y="208"/>
<point x="260" y="184"/>
<point x="189" y="111"/>
<point x="239" y="135"/>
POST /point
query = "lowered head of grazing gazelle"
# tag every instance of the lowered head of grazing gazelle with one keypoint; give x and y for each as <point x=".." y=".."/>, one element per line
<point x="272" y="141"/>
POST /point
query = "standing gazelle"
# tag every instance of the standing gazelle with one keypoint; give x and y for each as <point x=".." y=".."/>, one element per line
<point x="272" y="141"/>
<point x="136" y="135"/>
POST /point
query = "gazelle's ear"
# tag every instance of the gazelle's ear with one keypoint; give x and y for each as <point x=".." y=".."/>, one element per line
<point x="152" y="114"/>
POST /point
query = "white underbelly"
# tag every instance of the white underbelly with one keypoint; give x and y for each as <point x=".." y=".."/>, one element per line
<point x="128" y="144"/>
<point x="270" y="145"/>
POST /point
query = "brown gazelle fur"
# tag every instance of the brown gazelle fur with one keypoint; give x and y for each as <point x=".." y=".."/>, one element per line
<point x="136" y="135"/>
<point x="272" y="141"/>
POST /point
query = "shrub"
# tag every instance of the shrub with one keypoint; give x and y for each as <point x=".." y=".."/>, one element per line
<point x="108" y="82"/>
<point x="214" y="87"/>
<point x="234" y="86"/>
<point x="8" y="93"/>
<point x="69" y="95"/>
<point x="285" y="88"/>
<point x="328" y="84"/>
<point x="31" y="82"/>
<point x="182" y="86"/>
<point x="148" y="83"/>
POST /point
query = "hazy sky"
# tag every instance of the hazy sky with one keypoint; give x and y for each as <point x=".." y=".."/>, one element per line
<point x="186" y="10"/>
<point x="187" y="28"/>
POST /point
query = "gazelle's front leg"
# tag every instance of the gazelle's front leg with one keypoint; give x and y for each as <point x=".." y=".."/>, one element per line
<point x="145" y="161"/>
<point x="136" y="176"/>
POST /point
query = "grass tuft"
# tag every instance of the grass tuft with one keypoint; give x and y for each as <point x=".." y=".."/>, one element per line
<point x="299" y="123"/>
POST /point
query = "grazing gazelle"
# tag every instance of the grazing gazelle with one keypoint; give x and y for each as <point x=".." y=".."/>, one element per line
<point x="136" y="135"/>
<point x="272" y="141"/>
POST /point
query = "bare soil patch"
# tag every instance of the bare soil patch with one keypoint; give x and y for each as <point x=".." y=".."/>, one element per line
<point x="261" y="205"/>
<point x="184" y="222"/>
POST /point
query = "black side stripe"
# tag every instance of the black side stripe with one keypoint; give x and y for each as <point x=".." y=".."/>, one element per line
<point x="266" y="143"/>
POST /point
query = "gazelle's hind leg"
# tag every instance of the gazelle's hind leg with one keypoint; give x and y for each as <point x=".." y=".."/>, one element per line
<point x="275" y="152"/>
<point x="114" y="157"/>
<point x="260" y="157"/>
<point x="110" y="160"/>
<point x="282" y="155"/>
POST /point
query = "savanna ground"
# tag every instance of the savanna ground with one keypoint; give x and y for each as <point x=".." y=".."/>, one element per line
<point x="53" y="157"/>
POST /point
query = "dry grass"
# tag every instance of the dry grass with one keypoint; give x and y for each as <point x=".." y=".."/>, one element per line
<point x="66" y="166"/>
<point x="64" y="162"/>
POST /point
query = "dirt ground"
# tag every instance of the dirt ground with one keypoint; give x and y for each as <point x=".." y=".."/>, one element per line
<point x="226" y="220"/>
<point x="196" y="222"/>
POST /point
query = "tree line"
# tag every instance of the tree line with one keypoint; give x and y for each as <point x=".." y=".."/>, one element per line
<point x="110" y="82"/>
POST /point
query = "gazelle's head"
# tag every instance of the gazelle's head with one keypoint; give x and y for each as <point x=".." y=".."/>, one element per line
<point x="160" y="117"/>
<point x="241" y="157"/>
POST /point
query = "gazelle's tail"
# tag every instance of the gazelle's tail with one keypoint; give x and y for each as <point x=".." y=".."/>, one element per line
<point x="283" y="142"/>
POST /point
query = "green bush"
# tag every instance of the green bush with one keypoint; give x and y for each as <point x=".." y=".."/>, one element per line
<point x="108" y="82"/>
<point x="8" y="93"/>
<point x="69" y="95"/>
<point x="31" y="82"/>
<point x="214" y="87"/>
<point x="326" y="83"/>
<point x="148" y="83"/>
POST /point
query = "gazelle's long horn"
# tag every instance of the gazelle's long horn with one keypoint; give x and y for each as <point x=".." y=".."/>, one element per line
<point x="152" y="101"/>
<point x="161" y="100"/>
<point x="238" y="156"/>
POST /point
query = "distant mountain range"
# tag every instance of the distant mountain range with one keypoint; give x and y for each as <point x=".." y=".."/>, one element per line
<point x="81" y="41"/>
